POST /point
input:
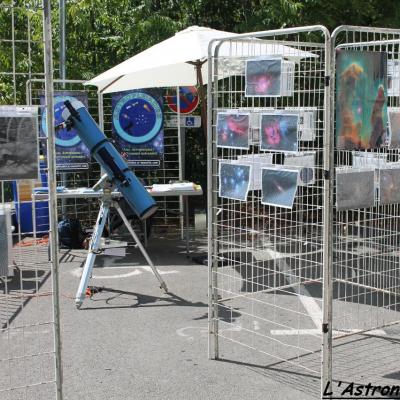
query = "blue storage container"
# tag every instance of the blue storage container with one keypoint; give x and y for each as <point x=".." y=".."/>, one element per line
<point x="23" y="208"/>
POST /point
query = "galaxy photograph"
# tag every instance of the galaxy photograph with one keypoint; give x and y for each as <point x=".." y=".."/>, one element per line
<point x="279" y="187"/>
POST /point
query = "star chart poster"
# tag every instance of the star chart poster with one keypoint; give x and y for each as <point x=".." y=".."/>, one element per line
<point x="279" y="132"/>
<point x="234" y="180"/>
<point x="137" y="121"/>
<point x="361" y="99"/>
<point x="263" y="77"/>
<point x="233" y="130"/>
<point x="71" y="152"/>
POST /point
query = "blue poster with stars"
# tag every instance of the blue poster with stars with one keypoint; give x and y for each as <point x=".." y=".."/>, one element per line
<point x="137" y="122"/>
<point x="71" y="152"/>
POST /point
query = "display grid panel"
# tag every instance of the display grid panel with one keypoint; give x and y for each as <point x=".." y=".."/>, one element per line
<point x="365" y="286"/>
<point x="28" y="325"/>
<point x="266" y="261"/>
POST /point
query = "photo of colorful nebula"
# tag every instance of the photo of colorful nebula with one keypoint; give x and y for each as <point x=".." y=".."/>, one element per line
<point x="361" y="99"/>
<point x="279" y="132"/>
<point x="233" y="130"/>
<point x="263" y="77"/>
<point x="234" y="181"/>
<point x="355" y="189"/>
<point x="279" y="187"/>
<point x="394" y="127"/>
<point x="389" y="183"/>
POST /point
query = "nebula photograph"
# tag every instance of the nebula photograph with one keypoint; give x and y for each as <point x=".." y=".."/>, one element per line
<point x="279" y="187"/>
<point x="233" y="130"/>
<point x="361" y="99"/>
<point x="263" y="77"/>
<point x="355" y="189"/>
<point x="279" y="132"/>
<point x="234" y="180"/>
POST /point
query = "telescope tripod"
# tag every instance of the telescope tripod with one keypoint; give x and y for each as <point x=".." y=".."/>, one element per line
<point x="94" y="247"/>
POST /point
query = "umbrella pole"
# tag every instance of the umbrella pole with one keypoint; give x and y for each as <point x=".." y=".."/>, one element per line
<point x="202" y="98"/>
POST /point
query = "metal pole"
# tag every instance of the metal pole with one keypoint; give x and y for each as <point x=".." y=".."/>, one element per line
<point x="51" y="160"/>
<point x="62" y="77"/>
<point x="180" y="155"/>
<point x="62" y="41"/>
<point x="327" y="317"/>
<point x="213" y="326"/>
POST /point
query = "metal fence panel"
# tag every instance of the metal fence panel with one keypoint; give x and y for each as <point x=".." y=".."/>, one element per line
<point x="29" y="322"/>
<point x="267" y="262"/>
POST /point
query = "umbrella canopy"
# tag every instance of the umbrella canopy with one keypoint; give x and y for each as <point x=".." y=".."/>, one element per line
<point x="164" y="64"/>
<point x="172" y="62"/>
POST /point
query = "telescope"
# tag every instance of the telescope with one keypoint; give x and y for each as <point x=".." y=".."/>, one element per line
<point x="76" y="115"/>
<point x="117" y="173"/>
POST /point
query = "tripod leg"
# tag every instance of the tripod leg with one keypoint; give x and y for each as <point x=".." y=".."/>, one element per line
<point x="141" y="248"/>
<point x="91" y="257"/>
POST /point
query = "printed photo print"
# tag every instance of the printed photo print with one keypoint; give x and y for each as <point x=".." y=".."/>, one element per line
<point x="19" y="152"/>
<point x="279" y="132"/>
<point x="394" y="128"/>
<point x="263" y="77"/>
<point x="305" y="163"/>
<point x="279" y="187"/>
<point x="355" y="189"/>
<point x="234" y="181"/>
<point x="233" y="130"/>
<point x="389" y="185"/>
<point x="361" y="99"/>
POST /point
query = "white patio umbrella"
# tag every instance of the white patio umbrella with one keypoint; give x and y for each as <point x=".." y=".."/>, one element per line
<point x="181" y="61"/>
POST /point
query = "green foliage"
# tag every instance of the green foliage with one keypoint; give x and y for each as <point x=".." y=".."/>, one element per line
<point x="103" y="33"/>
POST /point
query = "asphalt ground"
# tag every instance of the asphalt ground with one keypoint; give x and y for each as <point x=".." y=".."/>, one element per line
<point x="133" y="341"/>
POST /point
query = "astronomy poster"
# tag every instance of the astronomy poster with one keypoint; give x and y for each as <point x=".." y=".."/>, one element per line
<point x="234" y="180"/>
<point x="137" y="123"/>
<point x="361" y="99"/>
<point x="233" y="130"/>
<point x="279" y="187"/>
<point x="389" y="184"/>
<point x="71" y="152"/>
<point x="355" y="189"/>
<point x="263" y="77"/>
<point x="279" y="132"/>
<point x="394" y="128"/>
<point x="19" y="155"/>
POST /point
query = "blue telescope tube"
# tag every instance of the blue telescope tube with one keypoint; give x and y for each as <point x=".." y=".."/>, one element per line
<point x="75" y="114"/>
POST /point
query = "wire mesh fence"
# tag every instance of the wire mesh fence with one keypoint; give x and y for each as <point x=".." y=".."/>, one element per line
<point x="366" y="238"/>
<point x="28" y="327"/>
<point x="266" y="262"/>
<point x="303" y="228"/>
